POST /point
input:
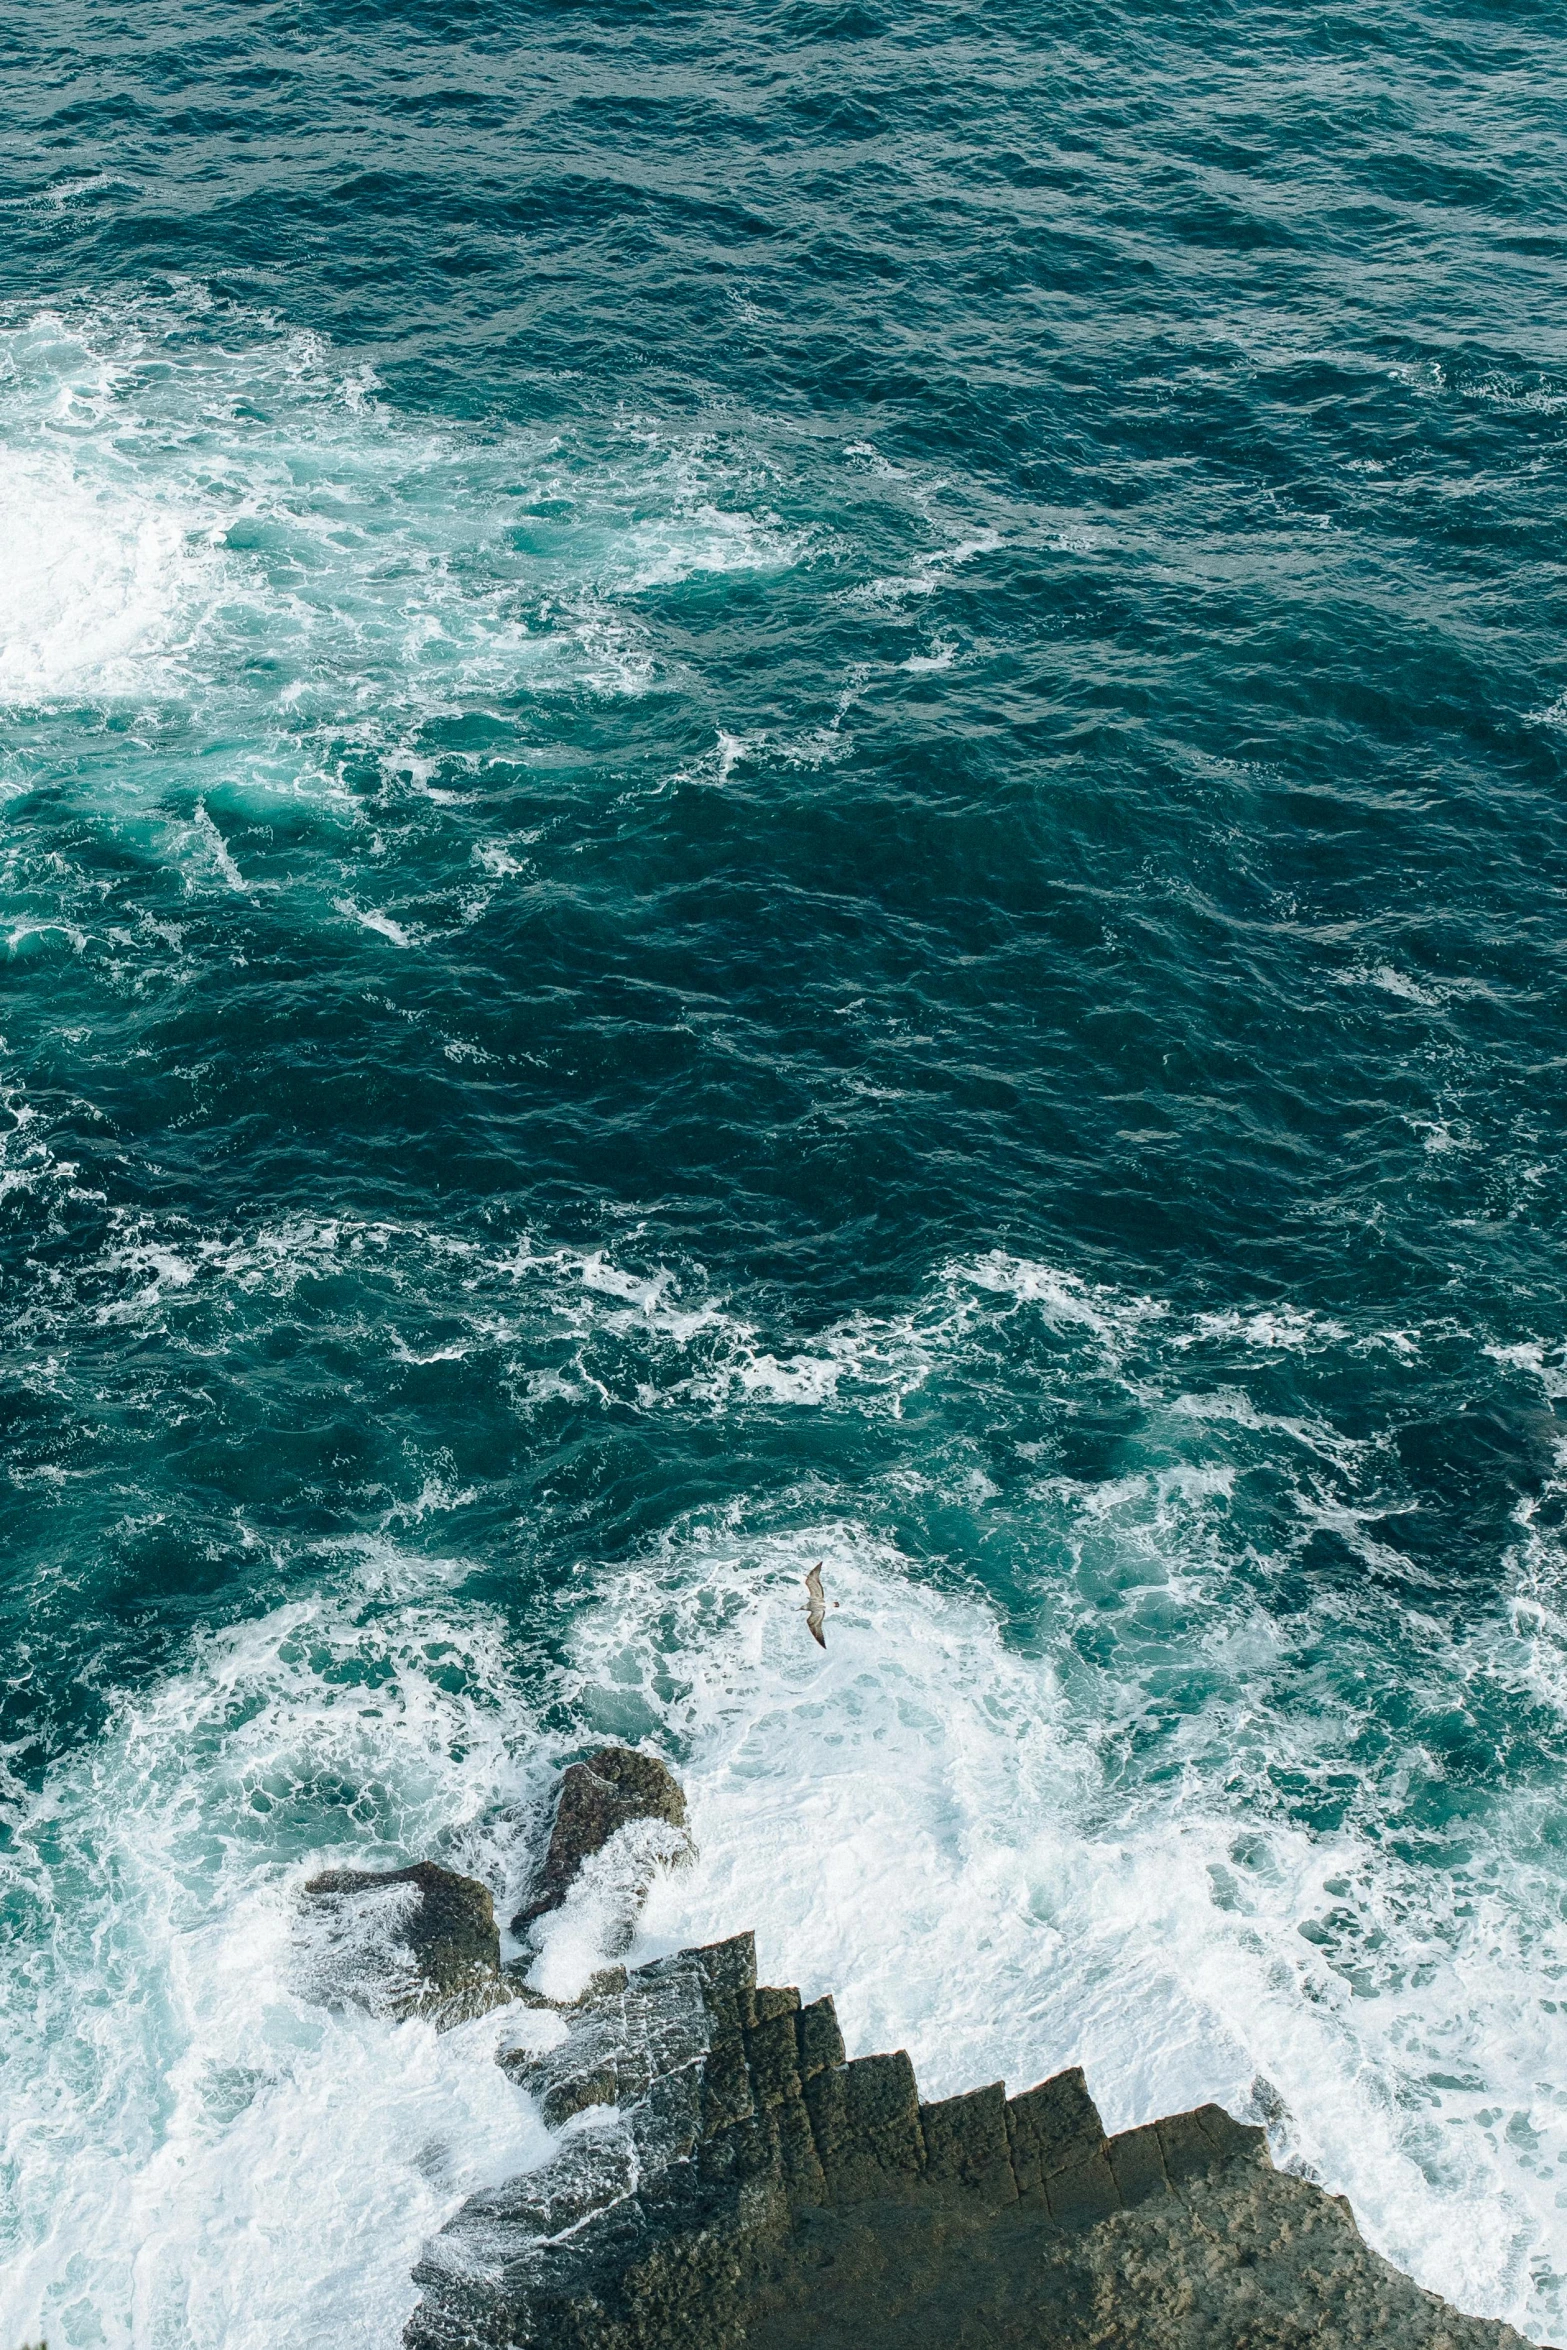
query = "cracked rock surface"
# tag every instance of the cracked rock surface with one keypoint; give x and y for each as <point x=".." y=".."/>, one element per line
<point x="726" y="2181"/>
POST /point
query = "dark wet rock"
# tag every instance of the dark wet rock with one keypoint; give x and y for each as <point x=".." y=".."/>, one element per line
<point x="610" y="1791"/>
<point x="417" y="1940"/>
<point x="726" y="2179"/>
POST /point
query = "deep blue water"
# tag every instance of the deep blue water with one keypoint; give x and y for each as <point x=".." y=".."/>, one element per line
<point x="781" y="782"/>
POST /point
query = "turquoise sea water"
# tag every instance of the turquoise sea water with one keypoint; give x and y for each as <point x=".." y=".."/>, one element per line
<point x="780" y="783"/>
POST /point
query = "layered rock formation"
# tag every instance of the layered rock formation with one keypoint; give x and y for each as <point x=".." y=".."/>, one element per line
<point x="725" y="2178"/>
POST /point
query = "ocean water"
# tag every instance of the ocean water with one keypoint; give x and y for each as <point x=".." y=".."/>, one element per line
<point x="779" y="783"/>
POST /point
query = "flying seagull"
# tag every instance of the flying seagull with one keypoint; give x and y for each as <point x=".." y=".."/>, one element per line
<point x="816" y="1605"/>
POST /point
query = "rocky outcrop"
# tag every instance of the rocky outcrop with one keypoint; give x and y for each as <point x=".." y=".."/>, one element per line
<point x="424" y="1940"/>
<point x="420" y="1940"/>
<point x="725" y="2178"/>
<point x="611" y="1791"/>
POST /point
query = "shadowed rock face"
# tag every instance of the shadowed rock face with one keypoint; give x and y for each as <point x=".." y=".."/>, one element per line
<point x="447" y="1936"/>
<point x="726" y="2179"/>
<point x="597" y="1798"/>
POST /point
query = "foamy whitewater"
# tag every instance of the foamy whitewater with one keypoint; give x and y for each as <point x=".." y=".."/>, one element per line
<point x="946" y="1826"/>
<point x="776" y="788"/>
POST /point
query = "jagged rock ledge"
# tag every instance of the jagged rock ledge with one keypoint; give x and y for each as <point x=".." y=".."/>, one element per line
<point x="725" y="2178"/>
<point x="423" y="1940"/>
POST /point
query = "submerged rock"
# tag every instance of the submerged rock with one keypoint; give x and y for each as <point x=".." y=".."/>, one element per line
<point x="416" y="1940"/>
<point x="610" y="1791"/>
<point x="725" y="2178"/>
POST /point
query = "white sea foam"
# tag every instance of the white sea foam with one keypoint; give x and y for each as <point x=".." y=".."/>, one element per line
<point x="703" y="539"/>
<point x="1552" y="713"/>
<point x="371" y="918"/>
<point x="995" y="1845"/>
<point x="1063" y="1298"/>
<point x="942" y="654"/>
<point x="197" y="2150"/>
<point x="678" y="1341"/>
<point x="940" y="1828"/>
<point x="1547" y="1364"/>
<point x="926" y="575"/>
<point x="1538" y="1559"/>
<point x="1283" y="1328"/>
<point x="249" y="527"/>
<point x="101" y="591"/>
<point x="1429" y="993"/>
<point x="799" y="1379"/>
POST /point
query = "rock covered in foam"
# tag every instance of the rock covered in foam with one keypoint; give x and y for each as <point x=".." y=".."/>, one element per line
<point x="419" y="1940"/>
<point x="725" y="2178"/>
<point x="611" y="1791"/>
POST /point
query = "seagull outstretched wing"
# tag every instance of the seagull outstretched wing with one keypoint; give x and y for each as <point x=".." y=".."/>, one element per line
<point x="816" y="1605"/>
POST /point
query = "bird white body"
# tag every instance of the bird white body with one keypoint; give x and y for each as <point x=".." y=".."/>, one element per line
<point x="816" y="1605"/>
